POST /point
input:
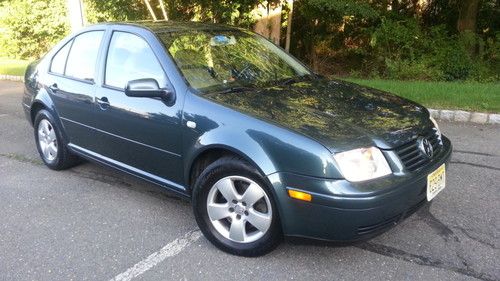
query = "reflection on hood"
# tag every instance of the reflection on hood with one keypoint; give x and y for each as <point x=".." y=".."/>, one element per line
<point x="335" y="113"/>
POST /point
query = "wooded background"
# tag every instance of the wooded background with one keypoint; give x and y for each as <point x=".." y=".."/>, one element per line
<point x="395" y="39"/>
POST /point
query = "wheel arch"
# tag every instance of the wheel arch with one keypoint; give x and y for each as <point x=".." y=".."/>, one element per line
<point x="209" y="154"/>
<point x="43" y="101"/>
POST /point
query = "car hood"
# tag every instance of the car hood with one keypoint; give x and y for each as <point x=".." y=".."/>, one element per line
<point x="338" y="114"/>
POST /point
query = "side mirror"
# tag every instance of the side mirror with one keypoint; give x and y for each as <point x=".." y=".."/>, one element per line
<point x="147" y="88"/>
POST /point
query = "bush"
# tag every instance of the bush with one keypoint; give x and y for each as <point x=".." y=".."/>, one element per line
<point x="410" y="52"/>
<point x="410" y="70"/>
<point x="30" y="27"/>
<point x="456" y="64"/>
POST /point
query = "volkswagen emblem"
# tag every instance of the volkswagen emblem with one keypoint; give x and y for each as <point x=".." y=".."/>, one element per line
<point x="425" y="147"/>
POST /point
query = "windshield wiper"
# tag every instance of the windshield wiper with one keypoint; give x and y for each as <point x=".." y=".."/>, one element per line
<point x="235" y="89"/>
<point x="294" y="79"/>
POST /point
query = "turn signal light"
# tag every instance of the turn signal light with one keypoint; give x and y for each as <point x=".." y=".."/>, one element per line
<point x="300" y="195"/>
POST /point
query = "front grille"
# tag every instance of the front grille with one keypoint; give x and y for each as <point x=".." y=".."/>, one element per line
<point x="411" y="156"/>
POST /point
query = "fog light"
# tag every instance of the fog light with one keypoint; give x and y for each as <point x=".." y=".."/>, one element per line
<point x="299" y="195"/>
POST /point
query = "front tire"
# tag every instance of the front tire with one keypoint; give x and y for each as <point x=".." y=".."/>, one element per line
<point x="50" y="143"/>
<point x="235" y="208"/>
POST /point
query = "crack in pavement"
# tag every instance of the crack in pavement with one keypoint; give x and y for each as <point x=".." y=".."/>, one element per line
<point x="467" y="233"/>
<point x="446" y="233"/>
<point x="442" y="229"/>
<point x="475" y="153"/>
<point x="476" y="165"/>
<point x="422" y="260"/>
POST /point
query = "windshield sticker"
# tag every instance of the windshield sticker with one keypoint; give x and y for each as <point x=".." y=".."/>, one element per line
<point x="219" y="40"/>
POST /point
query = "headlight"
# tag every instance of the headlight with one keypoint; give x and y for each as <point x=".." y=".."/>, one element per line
<point x="362" y="164"/>
<point x="435" y="125"/>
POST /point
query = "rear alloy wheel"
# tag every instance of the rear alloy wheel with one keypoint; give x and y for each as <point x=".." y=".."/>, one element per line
<point x="235" y="208"/>
<point x="47" y="140"/>
<point x="50" y="143"/>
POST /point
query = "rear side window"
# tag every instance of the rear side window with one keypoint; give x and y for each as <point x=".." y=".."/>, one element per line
<point x="59" y="60"/>
<point x="131" y="58"/>
<point x="83" y="55"/>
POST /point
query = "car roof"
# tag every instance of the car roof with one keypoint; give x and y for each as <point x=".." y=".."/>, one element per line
<point x="172" y="26"/>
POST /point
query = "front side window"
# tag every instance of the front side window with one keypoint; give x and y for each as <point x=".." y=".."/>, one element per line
<point x="215" y="60"/>
<point x="82" y="57"/>
<point x="131" y="58"/>
<point x="59" y="60"/>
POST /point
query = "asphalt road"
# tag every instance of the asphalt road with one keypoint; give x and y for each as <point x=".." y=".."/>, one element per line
<point x="93" y="223"/>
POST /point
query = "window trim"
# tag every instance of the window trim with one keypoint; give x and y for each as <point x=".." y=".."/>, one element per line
<point x="105" y="60"/>
<point x="71" y="41"/>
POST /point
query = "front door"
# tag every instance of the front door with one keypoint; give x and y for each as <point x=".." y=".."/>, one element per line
<point x="140" y="134"/>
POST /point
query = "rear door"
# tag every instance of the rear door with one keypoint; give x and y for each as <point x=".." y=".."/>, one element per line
<point x="72" y="85"/>
<point x="139" y="134"/>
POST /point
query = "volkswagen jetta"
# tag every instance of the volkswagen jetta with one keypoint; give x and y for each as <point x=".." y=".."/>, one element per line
<point x="262" y="146"/>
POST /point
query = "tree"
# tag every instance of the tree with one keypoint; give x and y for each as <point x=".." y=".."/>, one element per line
<point x="467" y="15"/>
<point x="114" y="10"/>
<point x="31" y="27"/>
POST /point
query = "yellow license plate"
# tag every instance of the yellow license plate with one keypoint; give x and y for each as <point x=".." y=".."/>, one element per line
<point x="436" y="182"/>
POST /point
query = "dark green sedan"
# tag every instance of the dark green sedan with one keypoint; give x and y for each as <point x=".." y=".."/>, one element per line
<point x="262" y="146"/>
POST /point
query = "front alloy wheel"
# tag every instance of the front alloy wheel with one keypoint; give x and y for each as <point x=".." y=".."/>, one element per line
<point x="240" y="217"/>
<point x="235" y="208"/>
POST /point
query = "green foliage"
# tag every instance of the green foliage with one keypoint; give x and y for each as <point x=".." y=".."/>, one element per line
<point x="396" y="39"/>
<point x="406" y="50"/>
<point x="224" y="11"/>
<point x="472" y="96"/>
<point x="337" y="9"/>
<point x="115" y="10"/>
<point x="30" y="27"/>
<point x="399" y="39"/>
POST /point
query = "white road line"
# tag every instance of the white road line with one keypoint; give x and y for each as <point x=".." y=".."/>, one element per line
<point x="171" y="249"/>
<point x="3" y="115"/>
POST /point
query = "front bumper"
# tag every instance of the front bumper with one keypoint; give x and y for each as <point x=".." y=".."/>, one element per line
<point x="345" y="211"/>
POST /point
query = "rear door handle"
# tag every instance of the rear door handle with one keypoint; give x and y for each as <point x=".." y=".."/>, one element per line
<point x="103" y="103"/>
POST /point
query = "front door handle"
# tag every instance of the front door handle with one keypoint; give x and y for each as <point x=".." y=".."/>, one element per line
<point x="53" y="87"/>
<point x="103" y="103"/>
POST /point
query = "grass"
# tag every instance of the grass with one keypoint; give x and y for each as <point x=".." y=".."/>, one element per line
<point x="12" y="66"/>
<point x="470" y="96"/>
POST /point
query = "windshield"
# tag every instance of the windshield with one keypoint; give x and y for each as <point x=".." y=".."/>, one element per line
<point x="219" y="60"/>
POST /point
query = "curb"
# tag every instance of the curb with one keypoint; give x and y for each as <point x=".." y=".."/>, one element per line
<point x="11" y="77"/>
<point x="465" y="116"/>
<point x="439" y="114"/>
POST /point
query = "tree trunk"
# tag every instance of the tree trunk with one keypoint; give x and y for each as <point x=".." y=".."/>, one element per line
<point x="289" y="26"/>
<point x="467" y="15"/>
<point x="269" y="21"/>
<point x="76" y="15"/>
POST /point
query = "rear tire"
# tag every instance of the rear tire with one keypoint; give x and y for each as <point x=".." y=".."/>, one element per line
<point x="50" y="143"/>
<point x="242" y="219"/>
